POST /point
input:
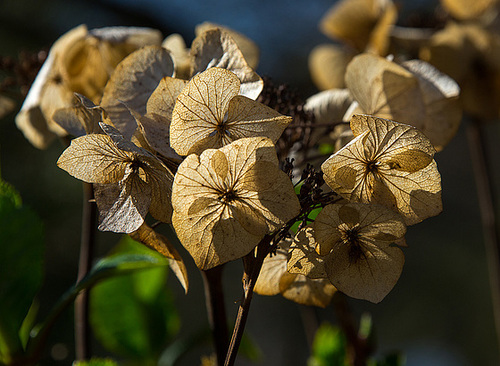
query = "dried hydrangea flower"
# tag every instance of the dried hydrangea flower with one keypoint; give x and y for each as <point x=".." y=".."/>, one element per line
<point x="468" y="10"/>
<point x="390" y="164"/>
<point x="478" y="71"/>
<point x="327" y="65"/>
<point x="130" y="180"/>
<point x="79" y="61"/>
<point x="357" y="242"/>
<point x="364" y="24"/>
<point x="226" y="200"/>
<point x="210" y="113"/>
<point x="216" y="48"/>
<point x="247" y="47"/>
<point x="414" y="93"/>
<point x="131" y="85"/>
<point x="274" y="278"/>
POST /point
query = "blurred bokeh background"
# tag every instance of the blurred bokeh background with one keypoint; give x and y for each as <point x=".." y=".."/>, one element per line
<point x="439" y="313"/>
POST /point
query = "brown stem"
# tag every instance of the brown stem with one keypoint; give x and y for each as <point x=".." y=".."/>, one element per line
<point x="89" y="220"/>
<point x="358" y="349"/>
<point x="252" y="264"/>
<point x="216" y="310"/>
<point x="484" y="183"/>
<point x="310" y="323"/>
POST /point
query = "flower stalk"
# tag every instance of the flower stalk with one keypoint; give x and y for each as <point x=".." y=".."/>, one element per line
<point x="216" y="310"/>
<point x="486" y="201"/>
<point x="89" y="221"/>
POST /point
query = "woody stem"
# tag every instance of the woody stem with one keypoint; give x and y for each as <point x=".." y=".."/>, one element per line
<point x="484" y="183"/>
<point x="216" y="310"/>
<point x="89" y="221"/>
<point x="253" y="265"/>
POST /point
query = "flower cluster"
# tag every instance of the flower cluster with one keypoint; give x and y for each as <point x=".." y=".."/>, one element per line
<point x="178" y="133"/>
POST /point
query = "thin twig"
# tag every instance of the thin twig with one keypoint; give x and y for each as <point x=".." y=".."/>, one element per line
<point x="216" y="310"/>
<point x="358" y="349"/>
<point x="89" y="220"/>
<point x="252" y="264"/>
<point x="484" y="183"/>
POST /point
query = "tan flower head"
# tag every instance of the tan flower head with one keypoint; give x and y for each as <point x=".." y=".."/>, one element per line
<point x="414" y="93"/>
<point x="477" y="73"/>
<point x="327" y="65"/>
<point x="390" y="164"/>
<point x="357" y="242"/>
<point x="467" y="10"/>
<point x="209" y="113"/>
<point x="131" y="85"/>
<point x="247" y="47"/>
<point x="226" y="200"/>
<point x="131" y="180"/>
<point x="295" y="286"/>
<point x="216" y="48"/>
<point x="79" y="61"/>
<point x="364" y="24"/>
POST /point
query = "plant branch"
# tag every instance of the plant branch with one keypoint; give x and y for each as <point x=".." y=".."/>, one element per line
<point x="216" y="310"/>
<point x="252" y="263"/>
<point x="484" y="184"/>
<point x="89" y="220"/>
<point x="358" y="349"/>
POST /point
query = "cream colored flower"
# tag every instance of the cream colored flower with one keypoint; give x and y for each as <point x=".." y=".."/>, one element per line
<point x="210" y="113"/>
<point x="304" y="282"/>
<point x="357" y="242"/>
<point x="79" y="61"/>
<point x="130" y="180"/>
<point x="226" y="200"/>
<point x="414" y="93"/>
<point x="390" y="164"/>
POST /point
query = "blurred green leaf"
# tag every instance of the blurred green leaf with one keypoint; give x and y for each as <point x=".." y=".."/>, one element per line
<point x="249" y="349"/>
<point x="134" y="315"/>
<point x="21" y="261"/>
<point x="28" y="323"/>
<point x="326" y="149"/>
<point x="96" y="362"/>
<point x="329" y="347"/>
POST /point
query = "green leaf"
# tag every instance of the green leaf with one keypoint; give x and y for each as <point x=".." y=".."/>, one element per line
<point x="28" y="323"/>
<point x="21" y="263"/>
<point x="96" y="362"/>
<point x="249" y="349"/>
<point x="133" y="315"/>
<point x="329" y="347"/>
<point x="312" y="215"/>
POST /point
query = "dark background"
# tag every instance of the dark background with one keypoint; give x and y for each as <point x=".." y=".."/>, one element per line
<point x="440" y="311"/>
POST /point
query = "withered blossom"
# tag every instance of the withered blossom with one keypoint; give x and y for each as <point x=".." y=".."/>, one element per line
<point x="129" y="180"/>
<point x="390" y="164"/>
<point x="80" y="61"/>
<point x="210" y="113"/>
<point x="477" y="73"/>
<point x="131" y="85"/>
<point x="357" y="244"/>
<point x="297" y="285"/>
<point x="226" y="200"/>
<point x="414" y="93"/>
